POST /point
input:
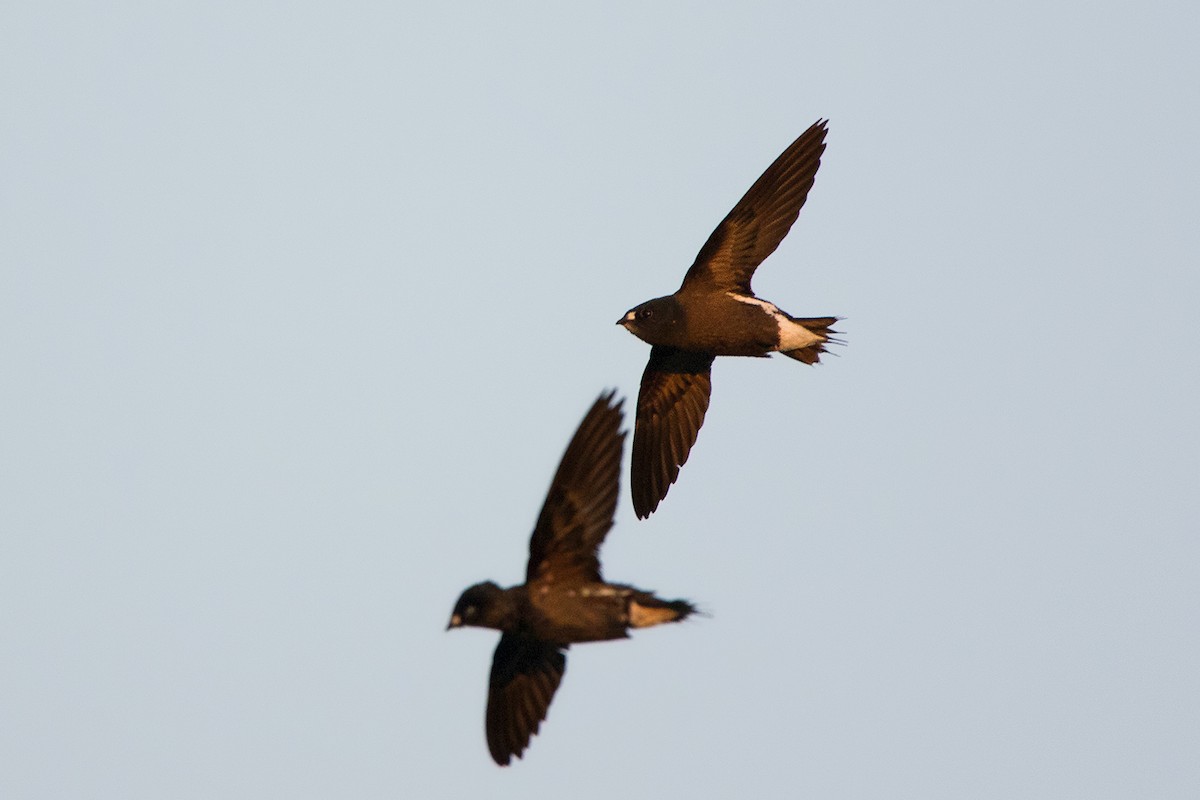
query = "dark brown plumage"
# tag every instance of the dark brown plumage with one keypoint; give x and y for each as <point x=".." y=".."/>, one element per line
<point x="715" y="313"/>
<point x="564" y="599"/>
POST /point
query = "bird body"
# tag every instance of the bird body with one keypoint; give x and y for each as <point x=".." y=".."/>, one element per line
<point x="727" y="324"/>
<point x="564" y="600"/>
<point x="716" y="313"/>
<point x="591" y="612"/>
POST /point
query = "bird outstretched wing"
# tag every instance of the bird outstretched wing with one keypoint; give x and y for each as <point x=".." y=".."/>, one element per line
<point x="579" y="507"/>
<point x="760" y="220"/>
<point x="670" y="410"/>
<point x="525" y="674"/>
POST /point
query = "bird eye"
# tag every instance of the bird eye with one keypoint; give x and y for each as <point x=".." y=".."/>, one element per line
<point x="646" y="313"/>
<point x="469" y="611"/>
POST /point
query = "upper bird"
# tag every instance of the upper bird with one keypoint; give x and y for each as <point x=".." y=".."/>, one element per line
<point x="715" y="313"/>
<point x="564" y="599"/>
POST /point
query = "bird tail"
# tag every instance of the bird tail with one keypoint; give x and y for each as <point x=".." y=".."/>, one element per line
<point x="645" y="610"/>
<point x="821" y="326"/>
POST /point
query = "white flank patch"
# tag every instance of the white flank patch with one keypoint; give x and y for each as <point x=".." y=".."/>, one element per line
<point x="644" y="616"/>
<point x="792" y="335"/>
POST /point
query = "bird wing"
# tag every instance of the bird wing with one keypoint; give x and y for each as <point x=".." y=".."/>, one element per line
<point x="525" y="674"/>
<point x="760" y="220"/>
<point x="670" y="410"/>
<point x="582" y="499"/>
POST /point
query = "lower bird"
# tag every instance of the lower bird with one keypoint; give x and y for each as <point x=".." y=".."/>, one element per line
<point x="564" y="600"/>
<point x="715" y="313"/>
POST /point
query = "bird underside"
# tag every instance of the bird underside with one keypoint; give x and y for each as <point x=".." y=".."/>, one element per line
<point x="819" y="329"/>
<point x="792" y="333"/>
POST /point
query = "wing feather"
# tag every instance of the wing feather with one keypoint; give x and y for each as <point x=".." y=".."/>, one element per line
<point x="525" y="674"/>
<point x="579" y="507"/>
<point x="671" y="405"/>
<point x="760" y="220"/>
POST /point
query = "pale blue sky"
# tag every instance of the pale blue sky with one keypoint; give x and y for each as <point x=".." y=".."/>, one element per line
<point x="300" y="304"/>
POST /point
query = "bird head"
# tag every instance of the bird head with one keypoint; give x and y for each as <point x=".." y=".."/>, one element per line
<point x="654" y="321"/>
<point x="475" y="606"/>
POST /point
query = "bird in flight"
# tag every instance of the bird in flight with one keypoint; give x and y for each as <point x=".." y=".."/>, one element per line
<point x="715" y="313"/>
<point x="564" y="600"/>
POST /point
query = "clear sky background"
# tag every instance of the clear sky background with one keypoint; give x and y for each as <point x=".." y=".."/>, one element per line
<point x="300" y="304"/>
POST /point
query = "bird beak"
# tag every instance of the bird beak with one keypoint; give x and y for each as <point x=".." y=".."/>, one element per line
<point x="625" y="320"/>
<point x="455" y="622"/>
